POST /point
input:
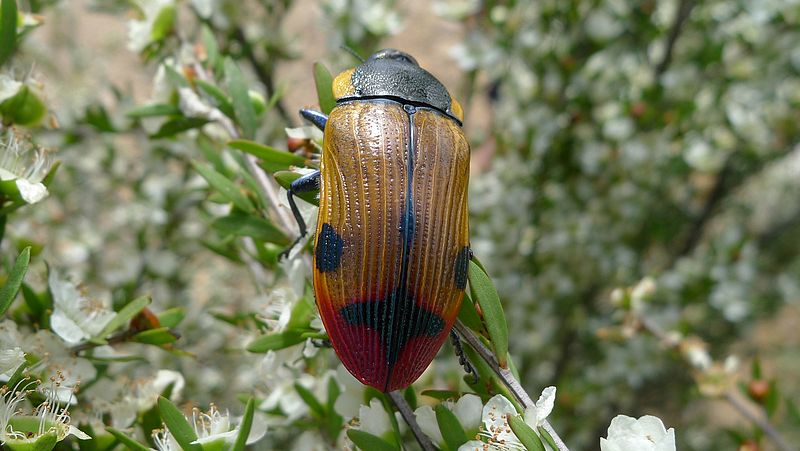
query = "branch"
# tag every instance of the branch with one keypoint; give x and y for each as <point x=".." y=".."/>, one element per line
<point x="715" y="197"/>
<point x="506" y="377"/>
<point x="681" y="15"/>
<point x="411" y="419"/>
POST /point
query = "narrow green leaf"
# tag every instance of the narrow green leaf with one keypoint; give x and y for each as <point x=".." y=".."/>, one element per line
<point x="97" y="116"/>
<point x="452" y="431"/>
<point x="171" y="317"/>
<point x="468" y="315"/>
<point x="8" y="29"/>
<point x="485" y="294"/>
<point x="268" y="154"/>
<point x="35" y="303"/>
<point x="211" y="46"/>
<point x="245" y="113"/>
<point x="305" y="394"/>
<point x="252" y="226"/>
<point x="441" y="395"/>
<point x="178" y="125"/>
<point x="525" y="434"/>
<point x="245" y="426"/>
<point x="225" y="187"/>
<point x="324" y="82"/>
<point x="153" y="110"/>
<point x="24" y="108"/>
<point x="177" y="424"/>
<point x="127" y="441"/>
<point x="547" y="437"/>
<point x="9" y="291"/>
<point x="158" y="337"/>
<point x="124" y="316"/>
<point x="773" y="399"/>
<point x="369" y="442"/>
<point x="302" y="313"/>
<point x="276" y="341"/>
<point x="285" y="179"/>
<point x="410" y="396"/>
<point x="755" y="369"/>
<point x="333" y="421"/>
<point x="175" y="78"/>
<point x="223" y="103"/>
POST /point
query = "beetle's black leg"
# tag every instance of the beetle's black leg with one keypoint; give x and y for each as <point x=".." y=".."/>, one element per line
<point x="462" y="358"/>
<point x="315" y="117"/>
<point x="304" y="184"/>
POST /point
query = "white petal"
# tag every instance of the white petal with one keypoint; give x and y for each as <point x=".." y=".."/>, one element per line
<point x="31" y="192"/>
<point x="536" y="414"/>
<point x="78" y="433"/>
<point x="426" y="418"/>
<point x="8" y="87"/>
<point x="258" y="429"/>
<point x="468" y="410"/>
<point x="606" y="445"/>
<point x="374" y="418"/>
<point x="166" y="377"/>
<point x="652" y="426"/>
<point x="10" y="360"/>
<point x="66" y="328"/>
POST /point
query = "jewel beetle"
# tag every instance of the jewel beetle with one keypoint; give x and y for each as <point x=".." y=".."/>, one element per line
<point x="392" y="241"/>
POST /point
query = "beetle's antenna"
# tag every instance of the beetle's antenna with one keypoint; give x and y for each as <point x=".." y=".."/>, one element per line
<point x="352" y="52"/>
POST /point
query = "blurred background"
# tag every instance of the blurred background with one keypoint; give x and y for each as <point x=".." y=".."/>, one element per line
<point x="635" y="168"/>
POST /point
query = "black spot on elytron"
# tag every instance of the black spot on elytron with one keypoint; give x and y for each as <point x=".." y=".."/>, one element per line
<point x="397" y="324"/>
<point x="329" y="249"/>
<point x="461" y="267"/>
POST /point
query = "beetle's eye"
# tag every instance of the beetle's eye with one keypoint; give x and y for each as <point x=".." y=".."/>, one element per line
<point x="393" y="54"/>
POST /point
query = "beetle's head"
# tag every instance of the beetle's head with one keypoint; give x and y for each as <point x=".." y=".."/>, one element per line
<point x="393" y="54"/>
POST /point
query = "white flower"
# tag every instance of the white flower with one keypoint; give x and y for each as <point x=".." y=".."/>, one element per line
<point x="374" y="419"/>
<point x="26" y="166"/>
<point x="467" y="409"/>
<point x="351" y="395"/>
<point x="75" y="317"/>
<point x="495" y="428"/>
<point x="644" y="434"/>
<point x="156" y="15"/>
<point x="537" y="413"/>
<point x="213" y="429"/>
<point x="47" y="423"/>
<point x="123" y="398"/>
<point x="55" y="360"/>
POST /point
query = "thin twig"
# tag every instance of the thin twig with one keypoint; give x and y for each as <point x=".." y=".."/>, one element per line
<point x="506" y="377"/>
<point x="729" y="395"/>
<point x="408" y="415"/>
<point x="758" y="420"/>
